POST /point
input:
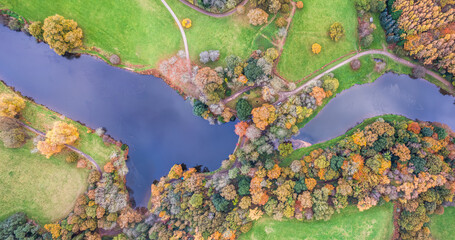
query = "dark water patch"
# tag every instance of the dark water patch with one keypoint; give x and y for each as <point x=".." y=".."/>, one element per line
<point x="389" y="94"/>
<point x="142" y="111"/>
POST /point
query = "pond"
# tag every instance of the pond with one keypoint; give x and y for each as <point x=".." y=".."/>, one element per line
<point x="389" y="94"/>
<point x="142" y="111"/>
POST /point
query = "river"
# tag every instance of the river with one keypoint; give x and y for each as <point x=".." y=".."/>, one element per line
<point x="142" y="111"/>
<point x="389" y="94"/>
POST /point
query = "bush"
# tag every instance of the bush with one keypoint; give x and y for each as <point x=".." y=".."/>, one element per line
<point x="367" y="41"/>
<point x="336" y="31"/>
<point x="355" y="64"/>
<point x="418" y="72"/>
<point x="13" y="138"/>
<point x="72" y="157"/>
<point x="243" y="108"/>
<point x="281" y="22"/>
<point x="15" y="24"/>
<point x="36" y="30"/>
<point x="114" y="59"/>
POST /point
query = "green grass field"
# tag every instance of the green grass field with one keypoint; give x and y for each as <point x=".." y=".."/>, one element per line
<point x="375" y="223"/>
<point x="142" y="31"/>
<point x="442" y="225"/>
<point x="311" y="25"/>
<point x="45" y="189"/>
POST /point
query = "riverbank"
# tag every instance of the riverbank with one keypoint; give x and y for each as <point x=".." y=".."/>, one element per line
<point x="31" y="181"/>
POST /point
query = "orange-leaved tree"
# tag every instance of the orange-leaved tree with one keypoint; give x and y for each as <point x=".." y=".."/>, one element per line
<point x="263" y="116"/>
<point x="316" y="48"/>
<point x="62" y="133"/>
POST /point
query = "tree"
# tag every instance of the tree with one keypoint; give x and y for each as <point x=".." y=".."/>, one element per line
<point x="362" y="5"/>
<point x="175" y="172"/>
<point x="62" y="35"/>
<point x="355" y="64"/>
<point x="253" y="71"/>
<point x="62" y="133"/>
<point x="229" y="192"/>
<point x="319" y="94"/>
<point x="336" y="31"/>
<point x="281" y="22"/>
<point x="316" y="48"/>
<point x="243" y="108"/>
<point x="214" y="92"/>
<point x="255" y="214"/>
<point x="330" y="84"/>
<point x="221" y="204"/>
<point x="274" y="6"/>
<point x="199" y="108"/>
<point x="54" y="229"/>
<point x="299" y="4"/>
<point x="418" y="72"/>
<point x="13" y="138"/>
<point x="36" y="30"/>
<point x="17" y="226"/>
<point x="240" y="128"/>
<point x="15" y="25"/>
<point x="257" y="16"/>
<point x="196" y="200"/>
<point x="7" y="123"/>
<point x="11" y="105"/>
<point x="207" y="75"/>
<point x="264" y="115"/>
<point x="285" y="149"/>
<point x="114" y="59"/>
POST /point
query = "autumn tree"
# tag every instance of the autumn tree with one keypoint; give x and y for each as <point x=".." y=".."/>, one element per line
<point x="62" y="35"/>
<point x="336" y="31"/>
<point x="319" y="94"/>
<point x="11" y="105"/>
<point x="257" y="16"/>
<point x="316" y="48"/>
<point x="281" y="22"/>
<point x="36" y="30"/>
<point x="62" y="133"/>
<point x="206" y="75"/>
<point x="264" y="115"/>
<point x="240" y="128"/>
<point x="13" y="138"/>
<point x="285" y="149"/>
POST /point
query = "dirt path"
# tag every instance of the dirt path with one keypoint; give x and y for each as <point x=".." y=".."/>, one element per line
<point x="216" y="15"/>
<point x="66" y="145"/>
<point x="182" y="32"/>
<point x="285" y="95"/>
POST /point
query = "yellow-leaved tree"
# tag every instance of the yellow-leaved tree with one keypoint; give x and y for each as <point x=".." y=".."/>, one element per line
<point x="316" y="48"/>
<point x="62" y="35"/>
<point x="11" y="105"/>
<point x="62" y="133"/>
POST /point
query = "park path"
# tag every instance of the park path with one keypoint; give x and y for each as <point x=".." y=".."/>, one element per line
<point x="182" y="32"/>
<point x="216" y="15"/>
<point x="285" y="95"/>
<point x="66" y="145"/>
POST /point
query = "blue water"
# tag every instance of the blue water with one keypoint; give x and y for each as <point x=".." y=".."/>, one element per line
<point x="142" y="111"/>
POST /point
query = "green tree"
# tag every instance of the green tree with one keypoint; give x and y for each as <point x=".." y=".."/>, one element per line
<point x="221" y="204"/>
<point x="252" y="70"/>
<point x="243" y="108"/>
<point x="285" y="149"/>
<point x="196" y="200"/>
<point x="199" y="108"/>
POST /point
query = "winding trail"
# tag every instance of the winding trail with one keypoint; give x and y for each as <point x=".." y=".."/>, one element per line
<point x="285" y="95"/>
<point x="215" y="15"/>
<point x="66" y="145"/>
<point x="182" y="32"/>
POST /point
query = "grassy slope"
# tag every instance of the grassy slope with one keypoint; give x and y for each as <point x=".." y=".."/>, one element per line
<point x="375" y="223"/>
<point x="143" y="31"/>
<point x="442" y="225"/>
<point x="45" y="189"/>
<point x="310" y="25"/>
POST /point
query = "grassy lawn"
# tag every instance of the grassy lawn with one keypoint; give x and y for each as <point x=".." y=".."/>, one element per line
<point x="442" y="225"/>
<point x="45" y="189"/>
<point x="142" y="31"/>
<point x="310" y="25"/>
<point x="375" y="223"/>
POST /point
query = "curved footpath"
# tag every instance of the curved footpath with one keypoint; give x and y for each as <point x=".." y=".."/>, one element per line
<point x="182" y="32"/>
<point x="216" y="15"/>
<point x="284" y="95"/>
<point x="66" y="145"/>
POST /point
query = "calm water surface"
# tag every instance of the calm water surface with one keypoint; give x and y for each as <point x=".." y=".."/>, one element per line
<point x="142" y="111"/>
<point x="389" y="94"/>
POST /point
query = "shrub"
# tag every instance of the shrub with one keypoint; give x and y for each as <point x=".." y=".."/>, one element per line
<point x="316" y="48"/>
<point x="281" y="22"/>
<point x="355" y="64"/>
<point x="299" y="5"/>
<point x="36" y="30"/>
<point x="418" y="72"/>
<point x="15" y="24"/>
<point x="114" y="59"/>
<point x="72" y="157"/>
<point x="13" y="138"/>
<point x="367" y="41"/>
<point x="336" y="31"/>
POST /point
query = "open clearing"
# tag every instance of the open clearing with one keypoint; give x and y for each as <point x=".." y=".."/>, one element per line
<point x="442" y="225"/>
<point x="311" y="25"/>
<point x="375" y="223"/>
